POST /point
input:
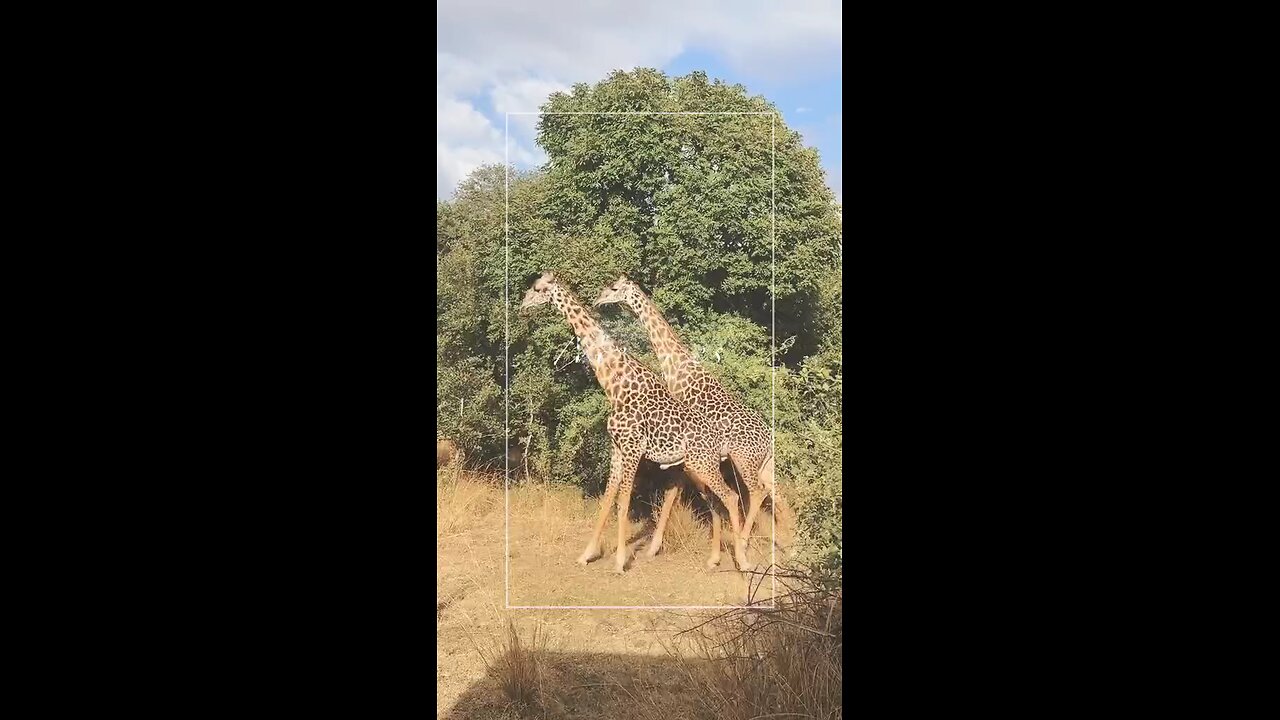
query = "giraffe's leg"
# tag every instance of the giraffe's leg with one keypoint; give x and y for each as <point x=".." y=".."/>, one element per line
<point x="714" y="558"/>
<point x="606" y="503"/>
<point x="759" y="490"/>
<point x="624" y="505"/>
<point x="669" y="501"/>
<point x="750" y="470"/>
<point x="706" y="472"/>
<point x="627" y="471"/>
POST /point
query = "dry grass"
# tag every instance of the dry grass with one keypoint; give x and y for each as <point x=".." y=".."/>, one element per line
<point x="689" y="530"/>
<point x="685" y="531"/>
<point x="550" y="527"/>
<point x="555" y="514"/>
<point x="461" y="497"/>
<point x="784" y="662"/>
<point x="518" y="668"/>
<point x="610" y="664"/>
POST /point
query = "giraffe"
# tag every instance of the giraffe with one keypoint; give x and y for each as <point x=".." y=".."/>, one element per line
<point x="644" y="421"/>
<point x="742" y="430"/>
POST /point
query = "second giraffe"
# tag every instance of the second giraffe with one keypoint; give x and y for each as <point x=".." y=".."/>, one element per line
<point x="644" y="422"/>
<point x="740" y="429"/>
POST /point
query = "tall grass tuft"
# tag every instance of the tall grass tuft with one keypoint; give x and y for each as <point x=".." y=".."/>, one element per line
<point x="460" y="496"/>
<point x="779" y="662"/>
<point x="518" y="668"/>
<point x="685" y="531"/>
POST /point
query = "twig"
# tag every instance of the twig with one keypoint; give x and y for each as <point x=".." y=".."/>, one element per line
<point x="724" y="614"/>
<point x="806" y="627"/>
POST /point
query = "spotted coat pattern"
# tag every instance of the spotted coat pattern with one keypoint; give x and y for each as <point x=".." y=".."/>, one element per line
<point x="742" y="431"/>
<point x="644" y="421"/>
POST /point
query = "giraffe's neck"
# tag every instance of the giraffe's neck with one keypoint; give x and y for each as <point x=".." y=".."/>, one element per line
<point x="605" y="357"/>
<point x="672" y="354"/>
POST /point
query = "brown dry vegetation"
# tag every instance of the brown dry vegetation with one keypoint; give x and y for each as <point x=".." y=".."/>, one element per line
<point x="498" y="663"/>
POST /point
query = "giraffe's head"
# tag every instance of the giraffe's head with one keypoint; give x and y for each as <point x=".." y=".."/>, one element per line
<point x="622" y="290"/>
<point x="540" y="292"/>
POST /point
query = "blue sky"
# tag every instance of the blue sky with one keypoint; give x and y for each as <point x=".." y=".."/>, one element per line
<point x="495" y="57"/>
<point x="810" y="102"/>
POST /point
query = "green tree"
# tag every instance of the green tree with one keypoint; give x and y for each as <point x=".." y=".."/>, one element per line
<point x="684" y="204"/>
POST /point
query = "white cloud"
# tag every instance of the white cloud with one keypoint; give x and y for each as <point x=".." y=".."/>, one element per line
<point x="461" y="122"/>
<point x="522" y="96"/>
<point x="512" y="56"/>
<point x="454" y="163"/>
<point x="465" y="140"/>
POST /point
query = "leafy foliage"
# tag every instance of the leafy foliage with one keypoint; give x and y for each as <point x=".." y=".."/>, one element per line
<point x="682" y="204"/>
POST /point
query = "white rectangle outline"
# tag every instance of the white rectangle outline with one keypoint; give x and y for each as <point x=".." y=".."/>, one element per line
<point x="506" y="370"/>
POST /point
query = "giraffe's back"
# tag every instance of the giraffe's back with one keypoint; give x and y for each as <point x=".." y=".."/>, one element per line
<point x="670" y="430"/>
<point x="744" y="431"/>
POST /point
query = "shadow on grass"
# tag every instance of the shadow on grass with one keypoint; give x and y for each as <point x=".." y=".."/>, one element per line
<point x="652" y="481"/>
<point x="591" y="686"/>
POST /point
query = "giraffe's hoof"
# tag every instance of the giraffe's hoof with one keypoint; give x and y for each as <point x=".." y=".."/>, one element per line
<point x="588" y="556"/>
<point x="620" y="568"/>
<point x="653" y="550"/>
<point x="746" y="567"/>
<point x="713" y="563"/>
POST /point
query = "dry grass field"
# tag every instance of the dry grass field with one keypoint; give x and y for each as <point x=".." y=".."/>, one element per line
<point x="492" y="662"/>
